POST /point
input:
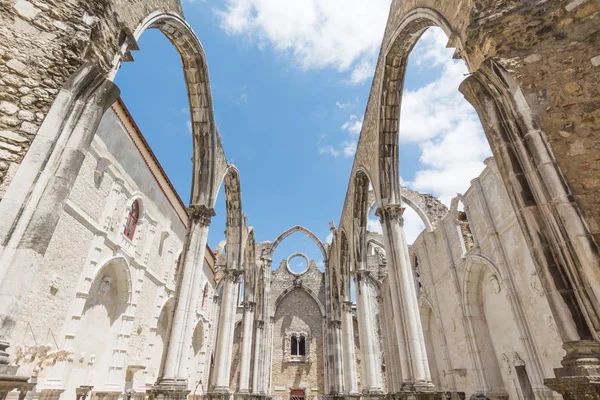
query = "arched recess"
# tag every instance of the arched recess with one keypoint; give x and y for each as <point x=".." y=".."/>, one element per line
<point x="101" y="320"/>
<point x="480" y="273"/>
<point x="289" y="290"/>
<point x="161" y="339"/>
<point x="344" y="267"/>
<point x="433" y="344"/>
<point x="541" y="200"/>
<point x="206" y="144"/>
<point x="396" y="54"/>
<point x="299" y="228"/>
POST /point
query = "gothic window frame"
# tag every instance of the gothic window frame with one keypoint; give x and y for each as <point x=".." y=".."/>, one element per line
<point x="133" y="220"/>
<point x="295" y="342"/>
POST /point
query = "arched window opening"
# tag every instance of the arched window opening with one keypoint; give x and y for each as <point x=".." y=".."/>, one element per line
<point x="435" y="120"/>
<point x="417" y="273"/>
<point x="132" y="220"/>
<point x="465" y="230"/>
<point x="298" y="346"/>
<point x="294" y="344"/>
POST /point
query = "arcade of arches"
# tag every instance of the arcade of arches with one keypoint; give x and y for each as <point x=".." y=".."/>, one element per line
<point x="498" y="298"/>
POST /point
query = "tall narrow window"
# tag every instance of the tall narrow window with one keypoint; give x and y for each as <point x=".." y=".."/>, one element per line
<point x="302" y="346"/>
<point x="294" y="346"/>
<point x="132" y="220"/>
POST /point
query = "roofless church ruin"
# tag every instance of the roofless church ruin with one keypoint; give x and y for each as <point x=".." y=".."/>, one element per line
<point x="108" y="289"/>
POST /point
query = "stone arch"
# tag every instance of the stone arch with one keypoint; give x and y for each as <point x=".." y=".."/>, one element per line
<point x="479" y="340"/>
<point x="234" y="229"/>
<point x="289" y="290"/>
<point x="344" y="276"/>
<point x="250" y="272"/>
<point x="532" y="179"/>
<point x="396" y="59"/>
<point x="360" y="214"/>
<point x="299" y="228"/>
<point x="193" y="58"/>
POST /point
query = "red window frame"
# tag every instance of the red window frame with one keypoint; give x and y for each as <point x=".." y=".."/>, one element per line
<point x="132" y="220"/>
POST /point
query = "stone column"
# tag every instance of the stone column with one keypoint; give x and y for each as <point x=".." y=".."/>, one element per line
<point x="246" y="351"/>
<point x="338" y="374"/>
<point x="406" y="376"/>
<point x="262" y="364"/>
<point x="173" y="382"/>
<point x="259" y="333"/>
<point x="371" y="378"/>
<point x="224" y="348"/>
<point x="350" y="378"/>
<point x="399" y="268"/>
<point x="33" y="206"/>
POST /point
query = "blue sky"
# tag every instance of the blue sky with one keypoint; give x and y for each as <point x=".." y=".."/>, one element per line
<point x="290" y="83"/>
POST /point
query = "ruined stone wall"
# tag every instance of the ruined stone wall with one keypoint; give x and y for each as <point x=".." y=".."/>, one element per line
<point x="89" y="235"/>
<point x="42" y="43"/>
<point x="297" y="311"/>
<point x="481" y="281"/>
<point x="551" y="51"/>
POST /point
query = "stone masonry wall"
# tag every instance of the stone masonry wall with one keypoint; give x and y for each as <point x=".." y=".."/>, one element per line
<point x="42" y="43"/>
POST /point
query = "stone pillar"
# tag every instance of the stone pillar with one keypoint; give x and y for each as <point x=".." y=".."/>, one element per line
<point x="371" y="377"/>
<point x="246" y="351"/>
<point x="224" y="348"/>
<point x="406" y="376"/>
<point x="400" y="269"/>
<point x="338" y="368"/>
<point x="259" y="333"/>
<point x="173" y="382"/>
<point x="33" y="206"/>
<point x="262" y="364"/>
<point x="349" y="355"/>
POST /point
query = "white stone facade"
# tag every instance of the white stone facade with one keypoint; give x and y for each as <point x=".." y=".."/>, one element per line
<point x="99" y="310"/>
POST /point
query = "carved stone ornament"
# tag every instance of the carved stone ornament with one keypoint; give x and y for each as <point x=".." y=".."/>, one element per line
<point x="201" y="214"/>
<point x="517" y="360"/>
<point x="507" y="363"/>
<point x="41" y="356"/>
<point x="104" y="285"/>
<point x="391" y="213"/>
<point x="249" y="306"/>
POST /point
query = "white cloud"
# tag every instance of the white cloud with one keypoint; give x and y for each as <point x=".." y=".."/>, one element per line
<point x="442" y="123"/>
<point x="374" y="225"/>
<point x="413" y="226"/>
<point x="353" y="125"/>
<point x="315" y="34"/>
<point x="343" y="106"/>
<point x="329" y="150"/>
<point x="349" y="148"/>
<point x="189" y="125"/>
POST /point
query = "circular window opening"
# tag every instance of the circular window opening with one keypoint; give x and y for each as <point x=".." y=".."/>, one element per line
<point x="297" y="263"/>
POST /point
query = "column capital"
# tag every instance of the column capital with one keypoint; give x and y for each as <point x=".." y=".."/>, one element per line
<point x="336" y="324"/>
<point x="201" y="214"/>
<point x="347" y="306"/>
<point x="391" y="213"/>
<point x="249" y="306"/>
<point x="234" y="275"/>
